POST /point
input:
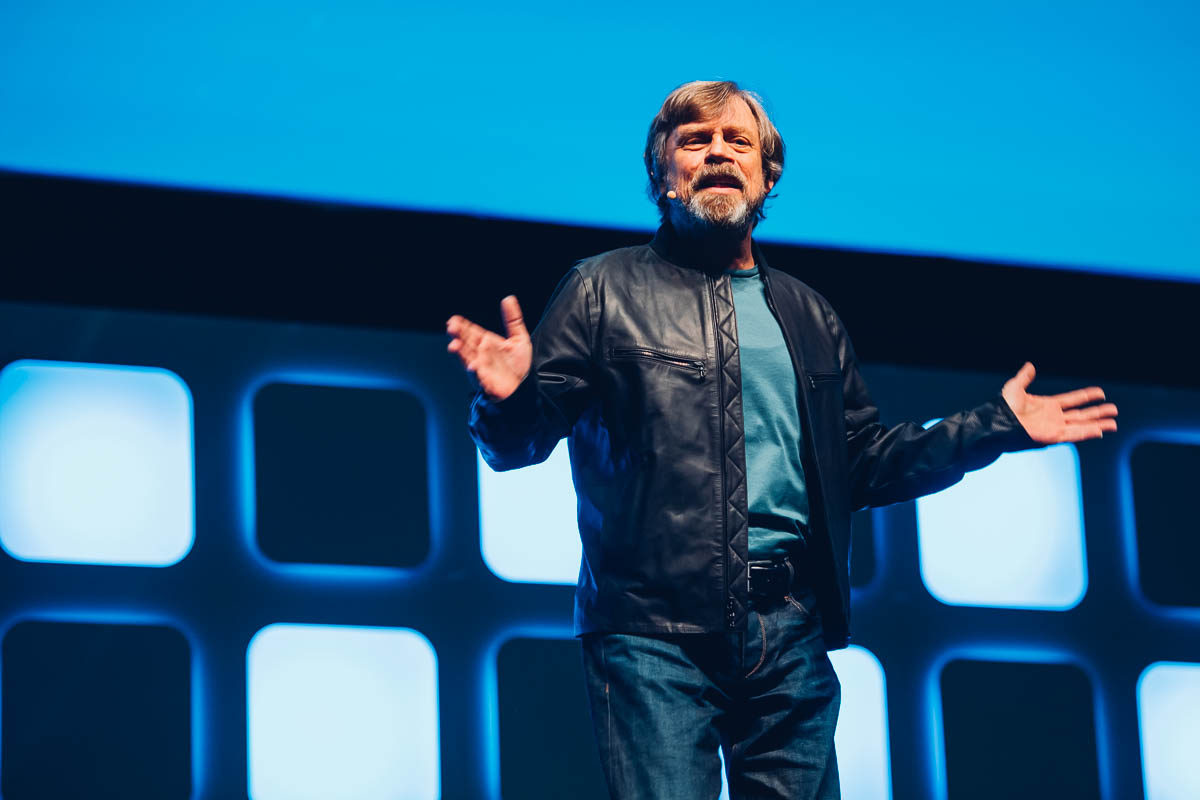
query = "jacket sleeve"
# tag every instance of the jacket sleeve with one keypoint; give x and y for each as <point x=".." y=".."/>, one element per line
<point x="523" y="428"/>
<point x="905" y="461"/>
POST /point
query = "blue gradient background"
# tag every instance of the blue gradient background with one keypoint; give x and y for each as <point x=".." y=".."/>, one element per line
<point x="1061" y="134"/>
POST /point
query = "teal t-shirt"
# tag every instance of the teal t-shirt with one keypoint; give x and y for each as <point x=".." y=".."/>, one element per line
<point x="774" y="476"/>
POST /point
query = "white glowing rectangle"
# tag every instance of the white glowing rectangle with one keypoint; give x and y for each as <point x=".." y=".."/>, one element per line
<point x="1168" y="696"/>
<point x="337" y="711"/>
<point x="528" y="525"/>
<point x="861" y="739"/>
<point x="1010" y="535"/>
<point x="95" y="464"/>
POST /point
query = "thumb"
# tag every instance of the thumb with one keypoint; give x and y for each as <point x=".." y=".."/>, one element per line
<point x="1024" y="376"/>
<point x="514" y="323"/>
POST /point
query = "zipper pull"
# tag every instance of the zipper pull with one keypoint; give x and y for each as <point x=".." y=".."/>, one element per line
<point x="700" y="364"/>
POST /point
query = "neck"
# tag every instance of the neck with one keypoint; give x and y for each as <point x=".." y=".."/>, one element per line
<point x="715" y="250"/>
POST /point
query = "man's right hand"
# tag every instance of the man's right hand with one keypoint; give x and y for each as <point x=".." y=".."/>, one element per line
<point x="498" y="364"/>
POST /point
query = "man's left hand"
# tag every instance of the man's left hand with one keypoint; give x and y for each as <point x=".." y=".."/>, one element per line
<point x="1058" y="417"/>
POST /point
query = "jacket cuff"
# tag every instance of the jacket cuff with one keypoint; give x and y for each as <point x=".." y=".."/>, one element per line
<point x="518" y="408"/>
<point x="1014" y="438"/>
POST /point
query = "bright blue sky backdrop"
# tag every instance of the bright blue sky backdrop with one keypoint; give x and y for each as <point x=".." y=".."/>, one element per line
<point x="1064" y="133"/>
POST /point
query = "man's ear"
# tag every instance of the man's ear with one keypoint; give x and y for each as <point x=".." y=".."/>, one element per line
<point x="662" y="188"/>
<point x="770" y="186"/>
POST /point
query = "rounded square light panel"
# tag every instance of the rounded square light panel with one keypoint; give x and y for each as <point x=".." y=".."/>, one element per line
<point x="1168" y="698"/>
<point x="95" y="464"/>
<point x="528" y="523"/>
<point x="1009" y="535"/>
<point x="861" y="738"/>
<point x="339" y="711"/>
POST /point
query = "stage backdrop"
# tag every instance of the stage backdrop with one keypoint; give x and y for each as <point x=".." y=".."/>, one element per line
<point x="263" y="559"/>
<point x="1023" y="131"/>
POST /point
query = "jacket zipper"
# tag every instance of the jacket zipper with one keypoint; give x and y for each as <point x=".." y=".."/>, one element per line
<point x="712" y="302"/>
<point x="695" y="364"/>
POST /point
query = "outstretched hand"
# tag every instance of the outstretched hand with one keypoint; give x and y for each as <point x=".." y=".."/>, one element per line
<point x="499" y="364"/>
<point x="1058" y="418"/>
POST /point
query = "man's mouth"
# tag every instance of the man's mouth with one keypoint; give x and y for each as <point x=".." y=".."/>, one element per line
<point x="720" y="183"/>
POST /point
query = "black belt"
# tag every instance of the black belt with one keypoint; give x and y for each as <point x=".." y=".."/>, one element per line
<point x="771" y="580"/>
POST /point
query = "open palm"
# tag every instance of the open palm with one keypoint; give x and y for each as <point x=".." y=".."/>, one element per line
<point x="498" y="363"/>
<point x="1050" y="419"/>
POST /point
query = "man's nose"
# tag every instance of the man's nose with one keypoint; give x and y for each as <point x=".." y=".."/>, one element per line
<point x="718" y="150"/>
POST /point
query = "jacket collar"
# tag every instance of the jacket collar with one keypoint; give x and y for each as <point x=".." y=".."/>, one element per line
<point x="666" y="246"/>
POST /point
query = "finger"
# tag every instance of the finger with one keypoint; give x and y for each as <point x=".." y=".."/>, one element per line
<point x="514" y="323"/>
<point x="1080" y="433"/>
<point x="469" y="343"/>
<point x="463" y="328"/>
<point x="1024" y="376"/>
<point x="471" y="335"/>
<point x="1078" y="397"/>
<point x="482" y="345"/>
<point x="456" y="347"/>
<point x="1092" y="412"/>
<point x="1090" y="430"/>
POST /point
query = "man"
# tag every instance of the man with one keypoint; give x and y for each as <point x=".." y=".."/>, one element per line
<point x="720" y="437"/>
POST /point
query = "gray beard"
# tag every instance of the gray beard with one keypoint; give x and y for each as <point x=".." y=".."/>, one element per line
<point x="716" y="214"/>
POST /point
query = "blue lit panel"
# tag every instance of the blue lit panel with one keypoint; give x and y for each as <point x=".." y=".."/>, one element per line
<point x="340" y="711"/>
<point x="1009" y="535"/>
<point x="528" y="528"/>
<point x="95" y="464"/>
<point x="1169" y="719"/>
<point x="861" y="740"/>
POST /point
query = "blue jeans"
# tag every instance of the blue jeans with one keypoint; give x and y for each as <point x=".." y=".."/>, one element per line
<point x="769" y="698"/>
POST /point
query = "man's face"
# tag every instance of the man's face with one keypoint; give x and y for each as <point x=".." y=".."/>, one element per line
<point x="714" y="167"/>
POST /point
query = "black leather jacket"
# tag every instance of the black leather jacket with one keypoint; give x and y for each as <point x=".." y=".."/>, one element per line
<point x="636" y="360"/>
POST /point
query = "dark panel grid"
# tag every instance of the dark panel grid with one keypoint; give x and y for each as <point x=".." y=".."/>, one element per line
<point x="1168" y="534"/>
<point x="546" y="746"/>
<point x="95" y="711"/>
<point x="341" y="475"/>
<point x="1019" y="730"/>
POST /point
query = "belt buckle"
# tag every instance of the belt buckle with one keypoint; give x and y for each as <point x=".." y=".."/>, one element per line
<point x="771" y="574"/>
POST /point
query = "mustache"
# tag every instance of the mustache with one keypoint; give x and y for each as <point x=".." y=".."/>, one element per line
<point x="717" y="173"/>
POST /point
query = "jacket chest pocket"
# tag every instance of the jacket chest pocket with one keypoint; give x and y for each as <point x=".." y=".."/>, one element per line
<point x="691" y="365"/>
<point x="826" y="403"/>
<point x="823" y="380"/>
